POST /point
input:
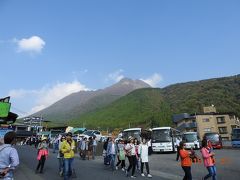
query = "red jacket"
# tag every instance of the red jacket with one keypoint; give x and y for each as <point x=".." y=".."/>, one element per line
<point x="185" y="158"/>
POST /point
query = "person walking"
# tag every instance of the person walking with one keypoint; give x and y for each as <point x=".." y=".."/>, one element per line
<point x="131" y="154"/>
<point x="83" y="148"/>
<point x="121" y="155"/>
<point x="112" y="152"/>
<point x="208" y="159"/>
<point x="42" y="154"/>
<point x="90" y="147"/>
<point x="94" y="147"/>
<point x="185" y="161"/>
<point x="136" y="143"/>
<point x="9" y="159"/>
<point x="178" y="147"/>
<point x="60" y="156"/>
<point x="67" y="148"/>
<point x="105" y="156"/>
<point x="143" y="154"/>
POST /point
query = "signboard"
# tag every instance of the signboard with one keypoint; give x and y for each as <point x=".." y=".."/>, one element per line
<point x="4" y="109"/>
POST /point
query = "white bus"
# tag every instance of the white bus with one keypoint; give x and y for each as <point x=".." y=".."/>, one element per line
<point x="191" y="140"/>
<point x="136" y="133"/>
<point x="164" y="139"/>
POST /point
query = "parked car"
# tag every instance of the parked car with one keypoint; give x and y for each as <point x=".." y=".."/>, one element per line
<point x="93" y="133"/>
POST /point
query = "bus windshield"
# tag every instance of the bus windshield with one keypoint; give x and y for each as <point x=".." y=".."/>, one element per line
<point x="161" y="135"/>
<point x="213" y="137"/>
<point x="236" y="134"/>
<point x="132" y="133"/>
<point x="190" y="137"/>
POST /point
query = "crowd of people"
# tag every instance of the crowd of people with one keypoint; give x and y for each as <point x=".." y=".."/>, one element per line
<point x="115" y="155"/>
<point x="135" y="152"/>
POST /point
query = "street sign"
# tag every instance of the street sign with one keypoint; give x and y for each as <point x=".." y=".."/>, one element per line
<point x="4" y="109"/>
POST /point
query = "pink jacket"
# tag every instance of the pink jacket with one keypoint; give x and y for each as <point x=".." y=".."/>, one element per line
<point x="42" y="152"/>
<point x="207" y="157"/>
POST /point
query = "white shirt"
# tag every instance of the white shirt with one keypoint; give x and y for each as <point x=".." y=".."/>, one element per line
<point x="131" y="147"/>
<point x="143" y="151"/>
<point x="113" y="149"/>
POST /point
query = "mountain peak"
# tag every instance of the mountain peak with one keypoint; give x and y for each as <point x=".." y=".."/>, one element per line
<point x="136" y="83"/>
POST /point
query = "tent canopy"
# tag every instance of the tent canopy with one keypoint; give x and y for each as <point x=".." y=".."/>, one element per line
<point x="78" y="130"/>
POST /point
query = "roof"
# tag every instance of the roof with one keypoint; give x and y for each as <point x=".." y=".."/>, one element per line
<point x="78" y="130"/>
<point x="190" y="133"/>
<point x="133" y="129"/>
<point x="160" y="128"/>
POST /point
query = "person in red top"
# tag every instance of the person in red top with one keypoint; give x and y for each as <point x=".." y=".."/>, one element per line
<point x="185" y="161"/>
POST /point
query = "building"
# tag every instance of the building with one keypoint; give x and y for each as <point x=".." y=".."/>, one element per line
<point x="208" y="121"/>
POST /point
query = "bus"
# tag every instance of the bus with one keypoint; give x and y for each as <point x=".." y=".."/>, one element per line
<point x="164" y="139"/>
<point x="236" y="137"/>
<point x="137" y="133"/>
<point x="214" y="138"/>
<point x="191" y="140"/>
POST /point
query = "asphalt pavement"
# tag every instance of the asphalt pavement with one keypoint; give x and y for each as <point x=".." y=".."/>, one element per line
<point x="162" y="166"/>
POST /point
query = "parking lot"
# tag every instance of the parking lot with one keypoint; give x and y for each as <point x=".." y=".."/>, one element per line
<point x="162" y="166"/>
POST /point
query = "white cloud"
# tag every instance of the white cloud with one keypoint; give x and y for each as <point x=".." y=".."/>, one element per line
<point x="115" y="76"/>
<point x="46" y="96"/>
<point x="33" y="44"/>
<point x="153" y="80"/>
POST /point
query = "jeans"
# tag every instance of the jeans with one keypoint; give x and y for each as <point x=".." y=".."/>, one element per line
<point x="67" y="168"/>
<point x="211" y="173"/>
<point x="188" y="174"/>
<point x="112" y="160"/>
<point x="61" y="164"/>
<point x="55" y="147"/>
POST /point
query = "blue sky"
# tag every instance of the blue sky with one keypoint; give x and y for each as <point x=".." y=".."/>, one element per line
<point x="49" y="49"/>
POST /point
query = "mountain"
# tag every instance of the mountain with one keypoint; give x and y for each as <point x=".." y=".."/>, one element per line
<point x="190" y="97"/>
<point x="143" y="107"/>
<point x="72" y="106"/>
<point x="155" y="107"/>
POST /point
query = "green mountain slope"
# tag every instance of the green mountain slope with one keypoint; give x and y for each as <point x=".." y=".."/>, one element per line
<point x="144" y="107"/>
<point x="154" y="107"/>
<point x="190" y="97"/>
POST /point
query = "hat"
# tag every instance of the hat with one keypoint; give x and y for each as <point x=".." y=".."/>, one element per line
<point x="130" y="138"/>
<point x="43" y="138"/>
<point x="69" y="134"/>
